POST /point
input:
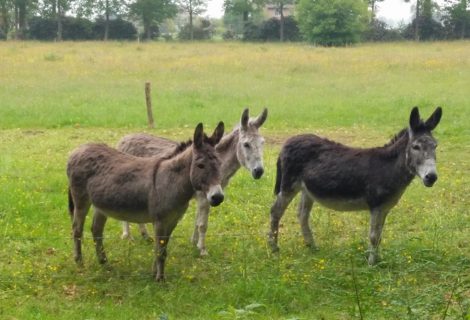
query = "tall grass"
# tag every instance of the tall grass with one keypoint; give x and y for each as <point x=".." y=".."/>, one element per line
<point x="54" y="97"/>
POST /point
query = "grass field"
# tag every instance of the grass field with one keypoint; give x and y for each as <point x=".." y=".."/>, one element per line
<point x="53" y="97"/>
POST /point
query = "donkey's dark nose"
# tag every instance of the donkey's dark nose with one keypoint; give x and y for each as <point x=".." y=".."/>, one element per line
<point x="429" y="179"/>
<point x="216" y="199"/>
<point x="257" y="172"/>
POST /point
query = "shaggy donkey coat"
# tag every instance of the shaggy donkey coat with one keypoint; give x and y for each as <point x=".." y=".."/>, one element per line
<point x="344" y="178"/>
<point x="241" y="147"/>
<point x="156" y="189"/>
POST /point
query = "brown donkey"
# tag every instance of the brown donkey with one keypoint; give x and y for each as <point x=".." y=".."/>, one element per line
<point x="344" y="178"/>
<point x="141" y="190"/>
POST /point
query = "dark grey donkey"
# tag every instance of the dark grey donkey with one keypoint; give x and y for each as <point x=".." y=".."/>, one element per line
<point x="242" y="147"/>
<point x="141" y="190"/>
<point x="344" y="178"/>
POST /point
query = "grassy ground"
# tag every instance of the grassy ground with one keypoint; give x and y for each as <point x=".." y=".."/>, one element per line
<point x="54" y="97"/>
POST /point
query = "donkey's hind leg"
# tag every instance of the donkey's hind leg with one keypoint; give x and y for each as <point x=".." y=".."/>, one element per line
<point x="283" y="199"/>
<point x="200" y="227"/>
<point x="78" y="220"/>
<point x="305" y="206"/>
<point x="99" y="220"/>
<point x="143" y="232"/>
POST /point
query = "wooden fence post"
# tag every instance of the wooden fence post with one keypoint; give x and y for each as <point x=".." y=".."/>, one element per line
<point x="148" y="100"/>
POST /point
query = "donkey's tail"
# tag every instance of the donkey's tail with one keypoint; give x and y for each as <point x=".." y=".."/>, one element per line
<point x="71" y="205"/>
<point x="277" y="186"/>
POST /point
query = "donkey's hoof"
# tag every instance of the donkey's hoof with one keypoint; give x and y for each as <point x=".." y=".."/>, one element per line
<point x="373" y="259"/>
<point x="102" y="260"/>
<point x="160" y="278"/>
<point x="203" y="252"/>
<point x="127" y="236"/>
<point x="274" y="247"/>
<point x="312" y="246"/>
<point x="147" y="238"/>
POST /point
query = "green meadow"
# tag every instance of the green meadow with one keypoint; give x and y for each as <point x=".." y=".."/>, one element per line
<point x="56" y="96"/>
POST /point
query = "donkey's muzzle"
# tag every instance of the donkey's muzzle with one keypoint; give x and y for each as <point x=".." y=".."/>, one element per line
<point x="430" y="179"/>
<point x="216" y="199"/>
<point x="257" y="172"/>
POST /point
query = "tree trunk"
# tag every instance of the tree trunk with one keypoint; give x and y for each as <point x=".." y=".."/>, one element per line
<point x="148" y="32"/>
<point x="59" y="22"/>
<point x="16" y="21"/>
<point x="464" y="19"/>
<point x="5" y="19"/>
<point x="417" y="18"/>
<point x="245" y="17"/>
<point x="191" y="29"/>
<point x="106" y="22"/>
<point x="372" y="10"/>
<point x="22" y="19"/>
<point x="281" y="22"/>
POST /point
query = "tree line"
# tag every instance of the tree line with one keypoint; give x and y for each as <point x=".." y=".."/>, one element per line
<point x="324" y="22"/>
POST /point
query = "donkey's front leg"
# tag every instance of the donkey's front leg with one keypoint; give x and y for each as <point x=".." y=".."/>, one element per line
<point x="200" y="227"/>
<point x="126" y="231"/>
<point x="277" y="210"/>
<point x="162" y="236"/>
<point x="377" y="220"/>
<point x="99" y="220"/>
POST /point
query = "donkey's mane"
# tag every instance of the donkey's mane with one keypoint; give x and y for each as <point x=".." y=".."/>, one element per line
<point x="179" y="148"/>
<point x="396" y="137"/>
<point x="227" y="139"/>
<point x="392" y="148"/>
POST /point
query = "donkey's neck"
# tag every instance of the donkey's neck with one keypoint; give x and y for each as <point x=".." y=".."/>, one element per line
<point x="227" y="152"/>
<point x="172" y="183"/>
<point x="395" y="154"/>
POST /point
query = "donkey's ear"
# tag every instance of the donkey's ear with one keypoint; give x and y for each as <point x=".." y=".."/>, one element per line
<point x="415" y="120"/>
<point x="258" y="122"/>
<point x="198" y="136"/>
<point x="218" y="133"/>
<point x="244" y="119"/>
<point x="434" y="119"/>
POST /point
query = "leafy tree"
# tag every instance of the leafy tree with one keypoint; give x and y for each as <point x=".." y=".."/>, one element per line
<point x="280" y="6"/>
<point x="373" y="6"/>
<point x="457" y="18"/>
<point x="332" y="22"/>
<point x="102" y="8"/>
<point x="56" y="9"/>
<point x="201" y="31"/>
<point x="424" y="26"/>
<point x="5" y="9"/>
<point x="152" y="12"/>
<point x="192" y="8"/>
<point x="244" y="8"/>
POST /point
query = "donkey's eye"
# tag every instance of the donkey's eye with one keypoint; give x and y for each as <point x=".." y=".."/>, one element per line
<point x="246" y="145"/>
<point x="201" y="166"/>
<point x="416" y="147"/>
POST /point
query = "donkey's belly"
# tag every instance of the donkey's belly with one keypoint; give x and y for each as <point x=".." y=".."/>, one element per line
<point x="136" y="217"/>
<point x="341" y="204"/>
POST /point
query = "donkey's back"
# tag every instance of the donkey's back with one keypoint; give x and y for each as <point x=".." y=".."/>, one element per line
<point x="145" y="145"/>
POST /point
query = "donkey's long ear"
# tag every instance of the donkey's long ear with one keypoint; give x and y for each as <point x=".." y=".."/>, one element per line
<point x="218" y="133"/>
<point x="434" y="119"/>
<point x="258" y="122"/>
<point x="244" y="119"/>
<point x="199" y="136"/>
<point x="415" y="120"/>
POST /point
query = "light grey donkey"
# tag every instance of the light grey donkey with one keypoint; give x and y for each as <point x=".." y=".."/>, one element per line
<point x="241" y="147"/>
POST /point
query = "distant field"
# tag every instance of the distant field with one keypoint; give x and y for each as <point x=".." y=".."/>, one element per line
<point x="55" y="96"/>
